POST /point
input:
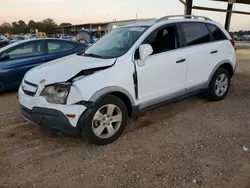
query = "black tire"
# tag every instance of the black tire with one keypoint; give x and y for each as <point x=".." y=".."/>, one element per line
<point x="85" y="121"/>
<point x="210" y="92"/>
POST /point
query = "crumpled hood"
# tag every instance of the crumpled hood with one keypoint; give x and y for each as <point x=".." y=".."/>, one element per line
<point x="65" y="68"/>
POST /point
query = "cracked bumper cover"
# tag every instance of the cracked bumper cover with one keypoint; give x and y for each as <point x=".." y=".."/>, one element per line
<point x="50" y="119"/>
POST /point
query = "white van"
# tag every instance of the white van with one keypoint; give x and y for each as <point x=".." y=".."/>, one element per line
<point x="130" y="70"/>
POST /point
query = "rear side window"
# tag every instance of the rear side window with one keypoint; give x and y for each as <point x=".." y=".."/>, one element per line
<point x="26" y="50"/>
<point x="195" y="33"/>
<point x="216" y="32"/>
<point x="59" y="46"/>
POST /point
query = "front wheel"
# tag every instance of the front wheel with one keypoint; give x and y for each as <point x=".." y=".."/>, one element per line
<point x="105" y="122"/>
<point x="219" y="85"/>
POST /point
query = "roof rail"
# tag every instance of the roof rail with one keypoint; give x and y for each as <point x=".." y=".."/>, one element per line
<point x="184" y="16"/>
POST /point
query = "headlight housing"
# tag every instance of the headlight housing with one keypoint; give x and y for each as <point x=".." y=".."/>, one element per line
<point x="57" y="93"/>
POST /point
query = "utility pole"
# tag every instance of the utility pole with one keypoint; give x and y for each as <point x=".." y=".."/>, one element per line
<point x="229" y="15"/>
<point x="188" y="7"/>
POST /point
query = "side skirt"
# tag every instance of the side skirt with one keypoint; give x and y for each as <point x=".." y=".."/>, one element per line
<point x="136" y="111"/>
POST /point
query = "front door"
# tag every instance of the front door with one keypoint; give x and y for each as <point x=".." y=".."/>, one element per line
<point x="21" y="59"/>
<point x="163" y="76"/>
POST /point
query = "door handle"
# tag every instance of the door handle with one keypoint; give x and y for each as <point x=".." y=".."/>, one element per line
<point x="214" y="52"/>
<point x="181" y="61"/>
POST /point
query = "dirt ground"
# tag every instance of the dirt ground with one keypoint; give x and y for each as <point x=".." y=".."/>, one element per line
<point x="191" y="144"/>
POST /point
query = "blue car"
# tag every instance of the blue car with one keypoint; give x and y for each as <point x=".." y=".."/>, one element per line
<point x="17" y="58"/>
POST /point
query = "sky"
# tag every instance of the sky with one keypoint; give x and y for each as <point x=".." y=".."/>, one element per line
<point x="81" y="11"/>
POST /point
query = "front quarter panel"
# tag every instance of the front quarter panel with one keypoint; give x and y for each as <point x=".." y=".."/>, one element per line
<point x="118" y="78"/>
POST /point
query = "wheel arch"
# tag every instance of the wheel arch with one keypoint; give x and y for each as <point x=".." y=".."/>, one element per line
<point x="119" y="92"/>
<point x="228" y="67"/>
<point x="223" y="64"/>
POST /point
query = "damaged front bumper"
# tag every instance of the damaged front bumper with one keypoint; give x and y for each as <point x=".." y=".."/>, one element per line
<point x="50" y="120"/>
<point x="50" y="116"/>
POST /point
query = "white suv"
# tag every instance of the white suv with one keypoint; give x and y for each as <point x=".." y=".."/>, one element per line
<point x="132" y="69"/>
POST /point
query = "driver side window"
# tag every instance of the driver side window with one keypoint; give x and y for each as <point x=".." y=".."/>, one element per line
<point x="163" y="39"/>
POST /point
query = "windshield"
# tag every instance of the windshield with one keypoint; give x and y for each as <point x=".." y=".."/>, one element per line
<point x="116" y="43"/>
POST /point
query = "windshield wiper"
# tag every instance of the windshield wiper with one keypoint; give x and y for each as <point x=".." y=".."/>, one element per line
<point x="93" y="55"/>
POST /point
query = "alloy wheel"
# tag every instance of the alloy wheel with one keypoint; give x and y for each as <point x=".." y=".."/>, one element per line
<point x="107" y="121"/>
<point x="221" y="85"/>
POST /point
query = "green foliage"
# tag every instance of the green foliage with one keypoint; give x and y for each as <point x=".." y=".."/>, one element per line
<point x="5" y="27"/>
<point x="241" y="33"/>
<point x="20" y="26"/>
<point x="65" y="24"/>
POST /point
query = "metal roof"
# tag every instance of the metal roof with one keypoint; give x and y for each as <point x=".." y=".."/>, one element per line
<point x="236" y="1"/>
<point x="101" y="23"/>
<point x="143" y="23"/>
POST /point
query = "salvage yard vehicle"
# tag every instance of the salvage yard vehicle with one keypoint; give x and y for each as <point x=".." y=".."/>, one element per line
<point x="17" y="38"/>
<point x="130" y="70"/>
<point x="17" y="58"/>
<point x="85" y="36"/>
<point x="67" y="37"/>
<point x="3" y="41"/>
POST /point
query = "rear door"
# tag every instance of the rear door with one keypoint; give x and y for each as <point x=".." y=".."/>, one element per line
<point x="201" y="54"/>
<point x="22" y="58"/>
<point x="222" y="46"/>
<point x="59" y="48"/>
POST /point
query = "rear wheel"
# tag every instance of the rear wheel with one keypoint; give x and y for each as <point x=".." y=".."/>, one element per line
<point x="105" y="122"/>
<point x="219" y="85"/>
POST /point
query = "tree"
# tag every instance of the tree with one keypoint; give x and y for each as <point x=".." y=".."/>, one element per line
<point x="32" y="24"/>
<point x="17" y="27"/>
<point x="21" y="23"/>
<point x="14" y="28"/>
<point x="5" y="28"/>
<point x="48" y="25"/>
<point x="14" y="24"/>
<point x="49" y="22"/>
<point x="6" y="25"/>
<point x="65" y="24"/>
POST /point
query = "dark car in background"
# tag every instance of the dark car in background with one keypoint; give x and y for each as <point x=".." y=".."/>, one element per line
<point x="67" y="37"/>
<point x="17" y="58"/>
<point x="17" y="38"/>
<point x="3" y="41"/>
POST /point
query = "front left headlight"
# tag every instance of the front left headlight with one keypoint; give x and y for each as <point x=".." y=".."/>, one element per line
<point x="57" y="93"/>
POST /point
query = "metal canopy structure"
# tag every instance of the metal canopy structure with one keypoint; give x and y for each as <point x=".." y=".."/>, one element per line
<point x="229" y="11"/>
<point x="236" y="1"/>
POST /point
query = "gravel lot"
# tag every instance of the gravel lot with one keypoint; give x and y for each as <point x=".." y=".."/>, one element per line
<point x="191" y="144"/>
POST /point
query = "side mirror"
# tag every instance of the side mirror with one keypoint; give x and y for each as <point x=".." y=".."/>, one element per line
<point x="145" y="50"/>
<point x="4" y="57"/>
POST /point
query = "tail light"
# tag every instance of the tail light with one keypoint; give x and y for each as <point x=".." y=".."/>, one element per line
<point x="233" y="43"/>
